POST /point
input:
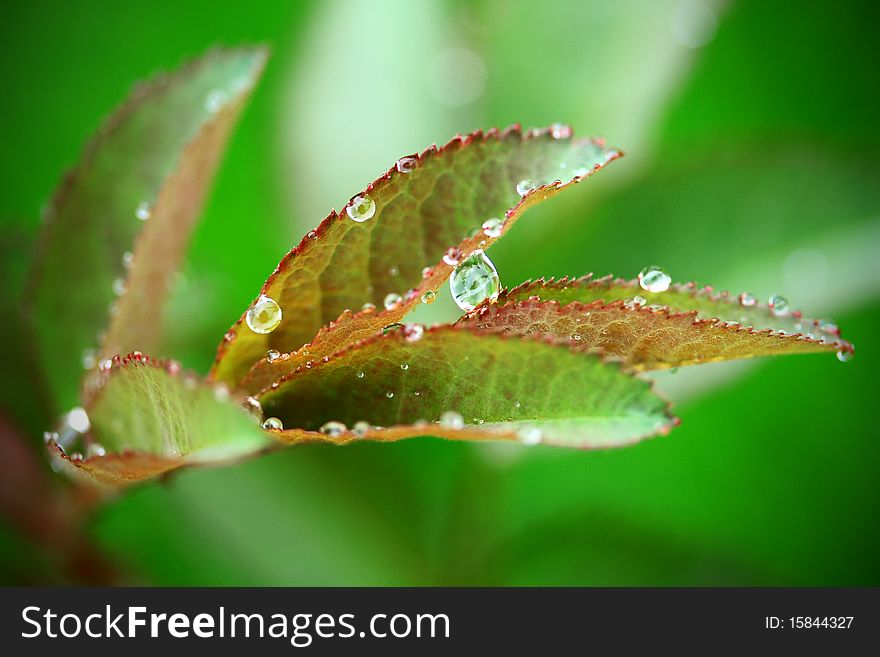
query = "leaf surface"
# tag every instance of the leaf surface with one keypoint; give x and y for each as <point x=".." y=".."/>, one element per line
<point x="685" y="325"/>
<point x="148" y="417"/>
<point x="503" y="389"/>
<point x="138" y="189"/>
<point x="424" y="205"/>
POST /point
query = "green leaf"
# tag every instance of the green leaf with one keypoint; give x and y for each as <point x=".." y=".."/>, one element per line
<point x="148" y="417"/>
<point x="684" y="325"/>
<point x="425" y="205"/>
<point x="153" y="159"/>
<point x="503" y="389"/>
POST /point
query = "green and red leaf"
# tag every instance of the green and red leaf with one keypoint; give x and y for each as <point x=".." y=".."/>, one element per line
<point x="425" y="205"/>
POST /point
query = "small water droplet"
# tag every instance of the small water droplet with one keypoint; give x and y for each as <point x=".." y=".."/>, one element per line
<point x="389" y="394"/>
<point x="272" y="355"/>
<point x="88" y="359"/>
<point x="361" y="208"/>
<point x="392" y="300"/>
<point x="221" y="392"/>
<point x="312" y="234"/>
<point x="452" y="420"/>
<point x="417" y="393"/>
<point x="407" y="164"/>
<point x="654" y="279"/>
<point x="429" y="297"/>
<point x="105" y="365"/>
<point x="127" y="259"/>
<point x="143" y="211"/>
<point x="95" y="449"/>
<point x="413" y="332"/>
<point x="119" y="286"/>
<point x="253" y="406"/>
<point x="78" y="420"/>
<point x="50" y="437"/>
<point x="393" y="271"/>
<point x="452" y="256"/>
<point x="404" y="366"/>
<point x="530" y="435"/>
<point x="525" y="186"/>
<point x="560" y="131"/>
<point x="778" y="305"/>
<point x="474" y="281"/>
<point x="748" y="300"/>
<point x="844" y="355"/>
<point x="361" y="428"/>
<point x="264" y="316"/>
<point x="517" y="404"/>
<point x="333" y="428"/>
<point x="360" y="374"/>
<point x="272" y="424"/>
<point x="492" y="227"/>
<point x="368" y="307"/>
<point x="828" y="327"/>
<point x="391" y="328"/>
<point x="639" y="300"/>
<point x="216" y="100"/>
<point x="427" y="271"/>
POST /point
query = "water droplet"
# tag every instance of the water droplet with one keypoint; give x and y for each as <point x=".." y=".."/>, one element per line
<point x="407" y="164"/>
<point x="216" y="101"/>
<point x="829" y="327"/>
<point x="778" y="305"/>
<point x="413" y="332"/>
<point x="143" y="211"/>
<point x="361" y="428"/>
<point x="389" y="394"/>
<point x="361" y="208"/>
<point x="492" y="227"/>
<point x="654" y="279"/>
<point x="119" y="286"/>
<point x="312" y="234"/>
<point x="639" y="300"/>
<point x="404" y="366"/>
<point x="105" y="365"/>
<point x="452" y="420"/>
<point x="95" y="449"/>
<point x="844" y="355"/>
<point x="417" y="393"/>
<point x="517" y="404"/>
<point x="221" y="392"/>
<point x="333" y="428"/>
<point x="429" y="297"/>
<point x="392" y="300"/>
<point x="264" y="316"/>
<point x="127" y="259"/>
<point x="88" y="359"/>
<point x="360" y="374"/>
<point x="253" y="406"/>
<point x="368" y="307"/>
<point x="391" y="328"/>
<point x="525" y="186"/>
<point x="272" y="355"/>
<point x="560" y="131"/>
<point x="272" y="424"/>
<point x="50" y="437"/>
<point x="393" y="271"/>
<point x="78" y="420"/>
<point x="530" y="435"/>
<point x="474" y="281"/>
<point x="748" y="300"/>
<point x="427" y="271"/>
<point x="452" y="256"/>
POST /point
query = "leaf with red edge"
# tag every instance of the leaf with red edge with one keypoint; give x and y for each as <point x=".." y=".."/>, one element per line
<point x="503" y="389"/>
<point x="684" y="325"/>
<point x="424" y="206"/>
<point x="147" y="417"/>
<point x="138" y="189"/>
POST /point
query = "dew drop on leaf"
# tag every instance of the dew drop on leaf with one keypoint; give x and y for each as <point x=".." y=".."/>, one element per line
<point x="429" y="297"/>
<point x="474" y="281"/>
<point x="778" y="305"/>
<point x="368" y="307"/>
<point x="95" y="449"/>
<point x="525" y="186"/>
<point x="333" y="428"/>
<point x="88" y="359"/>
<point x="272" y="424"/>
<point x="654" y="279"/>
<point x="748" y="300"/>
<point x="264" y="316"/>
<point x="361" y="428"/>
<point x="272" y="355"/>
<point x="560" y="131"/>
<point x="389" y="394"/>
<point x="127" y="259"/>
<point x="452" y="256"/>
<point x="360" y="374"/>
<point x="492" y="227"/>
<point x="393" y="271"/>
<point x="452" y="420"/>
<point x="404" y="366"/>
<point x="413" y="332"/>
<point x="361" y="208"/>
<point x="143" y="211"/>
<point x="407" y="164"/>
<point x="392" y="300"/>
<point x="78" y="419"/>
<point x="843" y="355"/>
<point x="391" y="328"/>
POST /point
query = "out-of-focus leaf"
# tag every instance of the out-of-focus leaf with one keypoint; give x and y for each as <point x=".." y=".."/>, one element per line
<point x="424" y="206"/>
<point x="502" y="389"/>
<point x="147" y="417"/>
<point x="684" y="325"/>
<point x="138" y="189"/>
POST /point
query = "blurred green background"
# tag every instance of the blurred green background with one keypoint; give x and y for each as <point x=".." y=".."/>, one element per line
<point x="753" y="163"/>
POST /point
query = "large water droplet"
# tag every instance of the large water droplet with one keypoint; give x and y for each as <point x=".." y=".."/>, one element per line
<point x="474" y="281"/>
<point x="143" y="211"/>
<point x="392" y="300"/>
<point x="333" y="428"/>
<point x="361" y="208"/>
<point x="272" y="424"/>
<point x="452" y="420"/>
<point x="778" y="305"/>
<point x="492" y="227"/>
<point x="654" y="279"/>
<point x="264" y="316"/>
<point x="525" y="186"/>
<point x="407" y="164"/>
